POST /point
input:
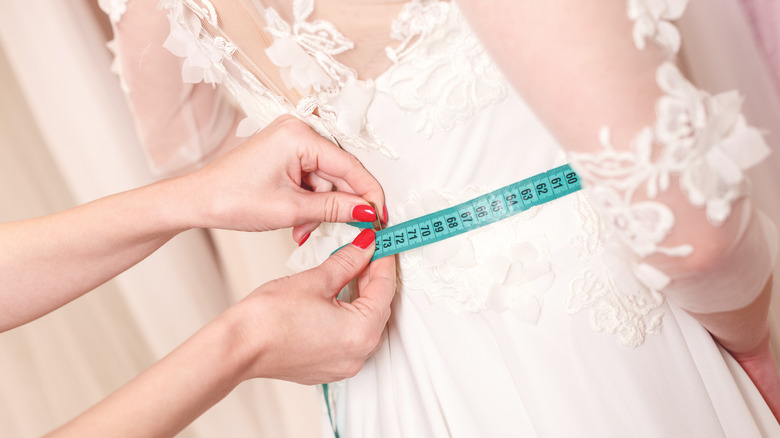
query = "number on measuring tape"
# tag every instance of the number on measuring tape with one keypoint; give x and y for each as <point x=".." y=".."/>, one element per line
<point x="478" y="212"/>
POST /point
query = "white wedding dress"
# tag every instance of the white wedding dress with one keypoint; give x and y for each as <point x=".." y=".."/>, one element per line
<point x="550" y="323"/>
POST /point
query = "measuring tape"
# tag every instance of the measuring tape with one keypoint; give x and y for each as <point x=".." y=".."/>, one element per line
<point x="478" y="212"/>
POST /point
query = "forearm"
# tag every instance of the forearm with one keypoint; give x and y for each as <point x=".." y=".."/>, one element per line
<point x="292" y="328"/>
<point x="745" y="334"/>
<point x="741" y="331"/>
<point x="654" y="151"/>
<point x="48" y="261"/>
<point x="171" y="394"/>
<point x="575" y="64"/>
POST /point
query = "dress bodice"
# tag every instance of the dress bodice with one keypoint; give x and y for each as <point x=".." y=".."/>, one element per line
<point x="424" y="107"/>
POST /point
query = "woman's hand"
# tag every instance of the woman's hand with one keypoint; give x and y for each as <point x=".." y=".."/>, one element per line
<point x="292" y="329"/>
<point x="258" y="186"/>
<point x="295" y="329"/>
<point x="281" y="177"/>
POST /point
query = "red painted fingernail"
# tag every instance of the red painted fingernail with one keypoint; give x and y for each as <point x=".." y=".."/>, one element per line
<point x="365" y="238"/>
<point x="305" y="238"/>
<point x="364" y="213"/>
<point x="384" y="214"/>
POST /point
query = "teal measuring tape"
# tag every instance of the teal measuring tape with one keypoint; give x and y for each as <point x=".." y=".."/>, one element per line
<point x="478" y="212"/>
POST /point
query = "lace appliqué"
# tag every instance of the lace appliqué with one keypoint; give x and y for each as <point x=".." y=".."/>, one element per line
<point x="652" y="20"/>
<point x="305" y="51"/>
<point x="441" y="72"/>
<point x="113" y="8"/>
<point x="496" y="267"/>
<point x="305" y="54"/>
<point x="699" y="138"/>
<point x="621" y="306"/>
<point x="203" y="55"/>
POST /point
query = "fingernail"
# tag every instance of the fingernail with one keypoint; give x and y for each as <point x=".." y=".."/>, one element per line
<point x="305" y="238"/>
<point x="365" y="238"/>
<point x="384" y="213"/>
<point x="364" y="213"/>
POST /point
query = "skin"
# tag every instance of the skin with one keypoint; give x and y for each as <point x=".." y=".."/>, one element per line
<point x="591" y="43"/>
<point x="292" y="328"/>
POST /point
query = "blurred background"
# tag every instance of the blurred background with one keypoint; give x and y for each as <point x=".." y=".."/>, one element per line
<point x="66" y="137"/>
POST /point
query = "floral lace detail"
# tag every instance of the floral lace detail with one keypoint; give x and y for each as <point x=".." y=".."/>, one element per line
<point x="113" y="8"/>
<point x="335" y="101"/>
<point x="305" y="51"/>
<point x="209" y="58"/>
<point x="340" y="113"/>
<point x="416" y="21"/>
<point x="707" y="141"/>
<point x="652" y="19"/>
<point x="441" y="72"/>
<point x="623" y="306"/>
<point x="203" y="56"/>
<point x="699" y="140"/>
<point x="478" y="270"/>
<point x="702" y="139"/>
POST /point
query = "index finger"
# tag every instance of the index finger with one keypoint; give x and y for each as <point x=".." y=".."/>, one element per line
<point x="343" y="169"/>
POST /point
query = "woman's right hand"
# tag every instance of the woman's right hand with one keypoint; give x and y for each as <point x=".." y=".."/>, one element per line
<point x="295" y="329"/>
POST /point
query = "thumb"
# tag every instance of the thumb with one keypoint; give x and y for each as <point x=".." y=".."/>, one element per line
<point x="346" y="263"/>
<point x="316" y="207"/>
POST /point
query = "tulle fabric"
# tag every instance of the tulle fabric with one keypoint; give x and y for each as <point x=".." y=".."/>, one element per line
<point x="429" y="114"/>
<point x="181" y="122"/>
<point x="764" y="19"/>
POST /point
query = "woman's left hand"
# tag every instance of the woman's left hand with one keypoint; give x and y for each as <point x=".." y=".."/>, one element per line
<point x="281" y="177"/>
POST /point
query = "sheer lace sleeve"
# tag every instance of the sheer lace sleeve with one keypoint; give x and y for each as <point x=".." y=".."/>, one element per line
<point x="663" y="160"/>
<point x="181" y="117"/>
<point x="764" y="17"/>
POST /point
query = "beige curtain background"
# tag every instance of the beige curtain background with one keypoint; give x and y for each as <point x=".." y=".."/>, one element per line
<point x="66" y="137"/>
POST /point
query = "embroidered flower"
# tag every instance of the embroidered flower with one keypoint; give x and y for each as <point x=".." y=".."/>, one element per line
<point x="417" y="19"/>
<point x="652" y="20"/>
<point x="513" y="272"/>
<point x="615" y="176"/>
<point x="202" y="58"/>
<point x="114" y="8"/>
<point x="445" y="76"/>
<point x="619" y="307"/>
<point x="706" y="139"/>
<point x="618" y="304"/>
<point x="298" y="69"/>
<point x="306" y="51"/>
<point x="699" y="138"/>
<point x="348" y="108"/>
<point x="641" y="225"/>
<point x="528" y="276"/>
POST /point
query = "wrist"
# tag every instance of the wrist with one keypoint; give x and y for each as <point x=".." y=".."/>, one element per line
<point x="179" y="204"/>
<point x="247" y="339"/>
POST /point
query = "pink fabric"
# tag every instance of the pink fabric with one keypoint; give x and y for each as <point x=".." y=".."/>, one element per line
<point x="764" y="18"/>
